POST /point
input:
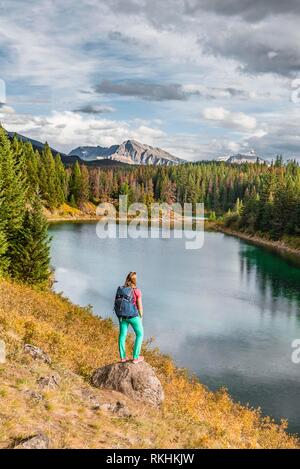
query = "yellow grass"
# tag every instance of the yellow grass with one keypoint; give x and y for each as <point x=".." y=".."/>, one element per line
<point x="67" y="212"/>
<point x="78" y="342"/>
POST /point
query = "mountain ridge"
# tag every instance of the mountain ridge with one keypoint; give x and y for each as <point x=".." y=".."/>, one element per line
<point x="67" y="160"/>
<point x="244" y="157"/>
<point x="130" y="152"/>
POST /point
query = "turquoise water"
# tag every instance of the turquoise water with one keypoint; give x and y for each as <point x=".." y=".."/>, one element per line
<point x="228" y="312"/>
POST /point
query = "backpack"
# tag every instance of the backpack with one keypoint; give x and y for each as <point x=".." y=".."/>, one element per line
<point x="124" y="305"/>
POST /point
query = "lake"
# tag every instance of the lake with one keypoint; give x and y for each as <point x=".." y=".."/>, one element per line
<point x="228" y="311"/>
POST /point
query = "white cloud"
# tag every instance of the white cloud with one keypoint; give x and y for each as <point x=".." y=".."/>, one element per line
<point x="2" y="91"/>
<point x="6" y="109"/>
<point x="68" y="46"/>
<point x="227" y="118"/>
<point x="66" y="130"/>
<point x="234" y="147"/>
<point x="150" y="132"/>
<point x="272" y="54"/>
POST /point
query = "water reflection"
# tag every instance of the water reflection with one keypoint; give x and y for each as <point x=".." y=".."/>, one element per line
<point x="277" y="281"/>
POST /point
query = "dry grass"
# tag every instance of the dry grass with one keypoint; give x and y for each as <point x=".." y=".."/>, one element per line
<point x="67" y="212"/>
<point x="64" y="210"/>
<point x="78" y="342"/>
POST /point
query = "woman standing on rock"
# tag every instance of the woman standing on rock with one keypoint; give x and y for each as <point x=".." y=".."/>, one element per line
<point x="129" y="309"/>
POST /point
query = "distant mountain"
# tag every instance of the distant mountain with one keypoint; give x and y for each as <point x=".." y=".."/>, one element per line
<point x="39" y="146"/>
<point x="66" y="159"/>
<point x="240" y="158"/>
<point x="130" y="152"/>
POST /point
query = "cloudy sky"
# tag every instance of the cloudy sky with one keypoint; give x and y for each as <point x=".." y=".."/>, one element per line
<point x="199" y="78"/>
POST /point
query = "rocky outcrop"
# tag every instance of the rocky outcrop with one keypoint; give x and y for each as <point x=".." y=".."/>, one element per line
<point x="92" y="402"/>
<point x="37" y="353"/>
<point x="49" y="382"/>
<point x="90" y="399"/>
<point x="37" y="441"/>
<point x="137" y="381"/>
<point x="33" y="395"/>
<point x="118" y="408"/>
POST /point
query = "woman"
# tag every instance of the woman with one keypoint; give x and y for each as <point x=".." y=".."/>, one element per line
<point x="135" y="322"/>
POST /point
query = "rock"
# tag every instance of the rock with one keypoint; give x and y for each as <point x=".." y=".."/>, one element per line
<point x="137" y="381"/>
<point x="106" y="406"/>
<point x="37" y="353"/>
<point x="94" y="403"/>
<point x="90" y="399"/>
<point x="37" y="441"/>
<point x="121" y="409"/>
<point x="34" y="395"/>
<point x="49" y="382"/>
<point x="118" y="408"/>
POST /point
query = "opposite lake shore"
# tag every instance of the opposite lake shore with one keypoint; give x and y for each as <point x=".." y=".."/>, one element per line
<point x="281" y="247"/>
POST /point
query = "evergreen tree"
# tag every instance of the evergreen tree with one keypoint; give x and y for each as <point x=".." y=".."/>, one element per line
<point x="75" y="183"/>
<point x="31" y="167"/>
<point x="72" y="201"/>
<point x="31" y="248"/>
<point x="13" y="190"/>
<point x="4" y="261"/>
<point x="61" y="183"/>
<point x="50" y="186"/>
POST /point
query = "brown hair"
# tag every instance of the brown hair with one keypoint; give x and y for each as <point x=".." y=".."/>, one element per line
<point x="131" y="280"/>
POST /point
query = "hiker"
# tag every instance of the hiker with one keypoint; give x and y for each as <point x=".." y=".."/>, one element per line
<point x="129" y="309"/>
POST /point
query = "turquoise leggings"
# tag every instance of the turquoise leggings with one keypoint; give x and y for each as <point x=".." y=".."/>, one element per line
<point x="137" y="325"/>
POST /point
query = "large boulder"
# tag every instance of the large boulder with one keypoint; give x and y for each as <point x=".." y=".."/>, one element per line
<point x="137" y="381"/>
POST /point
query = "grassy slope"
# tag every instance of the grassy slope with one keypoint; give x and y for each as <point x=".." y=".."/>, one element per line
<point x="78" y="342"/>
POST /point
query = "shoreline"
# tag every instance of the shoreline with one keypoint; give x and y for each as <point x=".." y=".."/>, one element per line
<point x="94" y="218"/>
<point x="80" y="219"/>
<point x="279" y="247"/>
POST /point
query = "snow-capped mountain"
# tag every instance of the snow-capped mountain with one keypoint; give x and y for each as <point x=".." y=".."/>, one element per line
<point x="130" y="152"/>
<point x="240" y="158"/>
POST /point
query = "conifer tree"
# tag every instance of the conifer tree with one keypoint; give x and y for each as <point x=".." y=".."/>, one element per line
<point x="32" y="165"/>
<point x="51" y="182"/>
<point x="13" y="190"/>
<point x="32" y="248"/>
<point x="4" y="261"/>
<point x="75" y="183"/>
<point x="61" y="180"/>
<point x="72" y="201"/>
